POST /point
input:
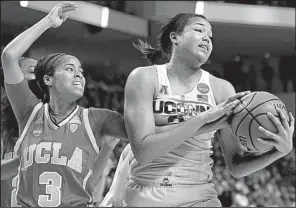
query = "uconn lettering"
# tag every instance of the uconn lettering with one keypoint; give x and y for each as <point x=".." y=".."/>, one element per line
<point x="49" y="152"/>
<point x="174" y="107"/>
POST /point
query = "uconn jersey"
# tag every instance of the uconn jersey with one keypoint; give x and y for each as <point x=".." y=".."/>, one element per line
<point x="56" y="159"/>
<point x="190" y="163"/>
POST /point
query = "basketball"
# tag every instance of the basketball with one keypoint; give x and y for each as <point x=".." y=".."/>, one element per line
<point x="251" y="113"/>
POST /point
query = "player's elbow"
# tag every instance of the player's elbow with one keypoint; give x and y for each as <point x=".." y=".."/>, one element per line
<point x="236" y="173"/>
<point x="8" y="56"/>
<point x="236" y="170"/>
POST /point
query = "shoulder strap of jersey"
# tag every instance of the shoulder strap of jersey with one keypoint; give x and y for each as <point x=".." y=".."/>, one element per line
<point x="34" y="112"/>
<point x="89" y="130"/>
<point x="163" y="81"/>
<point x="206" y="78"/>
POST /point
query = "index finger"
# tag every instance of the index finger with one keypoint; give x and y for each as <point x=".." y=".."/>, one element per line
<point x="69" y="3"/>
<point x="238" y="95"/>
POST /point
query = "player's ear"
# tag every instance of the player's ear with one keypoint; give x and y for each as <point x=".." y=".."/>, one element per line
<point x="47" y="80"/>
<point x="175" y="38"/>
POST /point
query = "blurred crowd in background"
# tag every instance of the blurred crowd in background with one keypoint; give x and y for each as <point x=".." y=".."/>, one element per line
<point x="272" y="186"/>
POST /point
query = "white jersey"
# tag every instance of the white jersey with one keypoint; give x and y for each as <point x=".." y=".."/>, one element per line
<point x="189" y="163"/>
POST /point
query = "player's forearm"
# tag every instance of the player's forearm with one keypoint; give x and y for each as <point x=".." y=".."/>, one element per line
<point x="119" y="181"/>
<point x="155" y="145"/>
<point x="209" y="127"/>
<point x="243" y="165"/>
<point x="9" y="168"/>
<point x="101" y="163"/>
<point x="19" y="45"/>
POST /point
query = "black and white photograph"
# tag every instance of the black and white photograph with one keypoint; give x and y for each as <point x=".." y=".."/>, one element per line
<point x="121" y="103"/>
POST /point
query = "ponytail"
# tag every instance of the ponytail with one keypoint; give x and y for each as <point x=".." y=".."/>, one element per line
<point x="149" y="53"/>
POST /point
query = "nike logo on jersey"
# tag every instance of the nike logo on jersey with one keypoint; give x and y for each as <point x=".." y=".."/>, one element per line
<point x="49" y="152"/>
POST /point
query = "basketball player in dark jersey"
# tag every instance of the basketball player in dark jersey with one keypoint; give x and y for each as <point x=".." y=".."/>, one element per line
<point x="59" y="141"/>
<point x="9" y="134"/>
<point x="173" y="168"/>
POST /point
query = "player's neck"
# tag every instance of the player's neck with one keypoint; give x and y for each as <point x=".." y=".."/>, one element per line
<point x="61" y="107"/>
<point x="183" y="71"/>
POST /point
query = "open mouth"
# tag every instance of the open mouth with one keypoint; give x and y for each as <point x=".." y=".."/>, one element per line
<point x="204" y="47"/>
<point x="79" y="84"/>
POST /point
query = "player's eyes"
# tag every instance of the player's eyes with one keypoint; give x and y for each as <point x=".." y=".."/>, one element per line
<point x="198" y="30"/>
<point x="70" y="69"/>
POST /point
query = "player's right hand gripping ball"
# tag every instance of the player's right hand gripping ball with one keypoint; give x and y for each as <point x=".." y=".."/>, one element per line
<point x="251" y="113"/>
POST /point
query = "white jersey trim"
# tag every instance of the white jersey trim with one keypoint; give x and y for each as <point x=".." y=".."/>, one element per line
<point x="86" y="178"/>
<point x="19" y="141"/>
<point x="207" y="79"/>
<point x="18" y="182"/>
<point x="64" y="121"/>
<point x="89" y="130"/>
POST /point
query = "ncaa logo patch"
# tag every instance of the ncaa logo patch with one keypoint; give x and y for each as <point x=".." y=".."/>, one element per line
<point x="37" y="129"/>
<point x="203" y="88"/>
<point x="37" y="132"/>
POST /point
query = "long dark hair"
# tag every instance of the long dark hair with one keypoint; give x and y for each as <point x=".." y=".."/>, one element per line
<point x="164" y="47"/>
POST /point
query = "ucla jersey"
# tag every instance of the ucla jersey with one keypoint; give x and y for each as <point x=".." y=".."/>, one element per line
<point x="189" y="163"/>
<point x="56" y="159"/>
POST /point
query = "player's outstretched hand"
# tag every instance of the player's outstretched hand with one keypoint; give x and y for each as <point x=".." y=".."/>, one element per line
<point x="283" y="139"/>
<point x="60" y="12"/>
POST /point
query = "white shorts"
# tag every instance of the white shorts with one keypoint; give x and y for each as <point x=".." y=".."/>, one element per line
<point x="139" y="194"/>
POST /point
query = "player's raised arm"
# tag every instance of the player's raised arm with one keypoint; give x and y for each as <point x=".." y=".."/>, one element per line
<point x="140" y="124"/>
<point x="16" y="48"/>
<point x="18" y="92"/>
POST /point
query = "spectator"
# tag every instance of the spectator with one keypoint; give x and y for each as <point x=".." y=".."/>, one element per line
<point x="267" y="74"/>
<point x="251" y="78"/>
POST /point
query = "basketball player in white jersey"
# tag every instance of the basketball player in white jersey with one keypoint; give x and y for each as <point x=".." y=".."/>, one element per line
<point x="173" y="168"/>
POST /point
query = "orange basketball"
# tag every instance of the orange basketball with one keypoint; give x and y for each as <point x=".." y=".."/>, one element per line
<point x="251" y="113"/>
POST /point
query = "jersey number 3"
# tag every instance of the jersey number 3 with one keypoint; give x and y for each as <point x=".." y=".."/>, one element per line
<point x="53" y="182"/>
